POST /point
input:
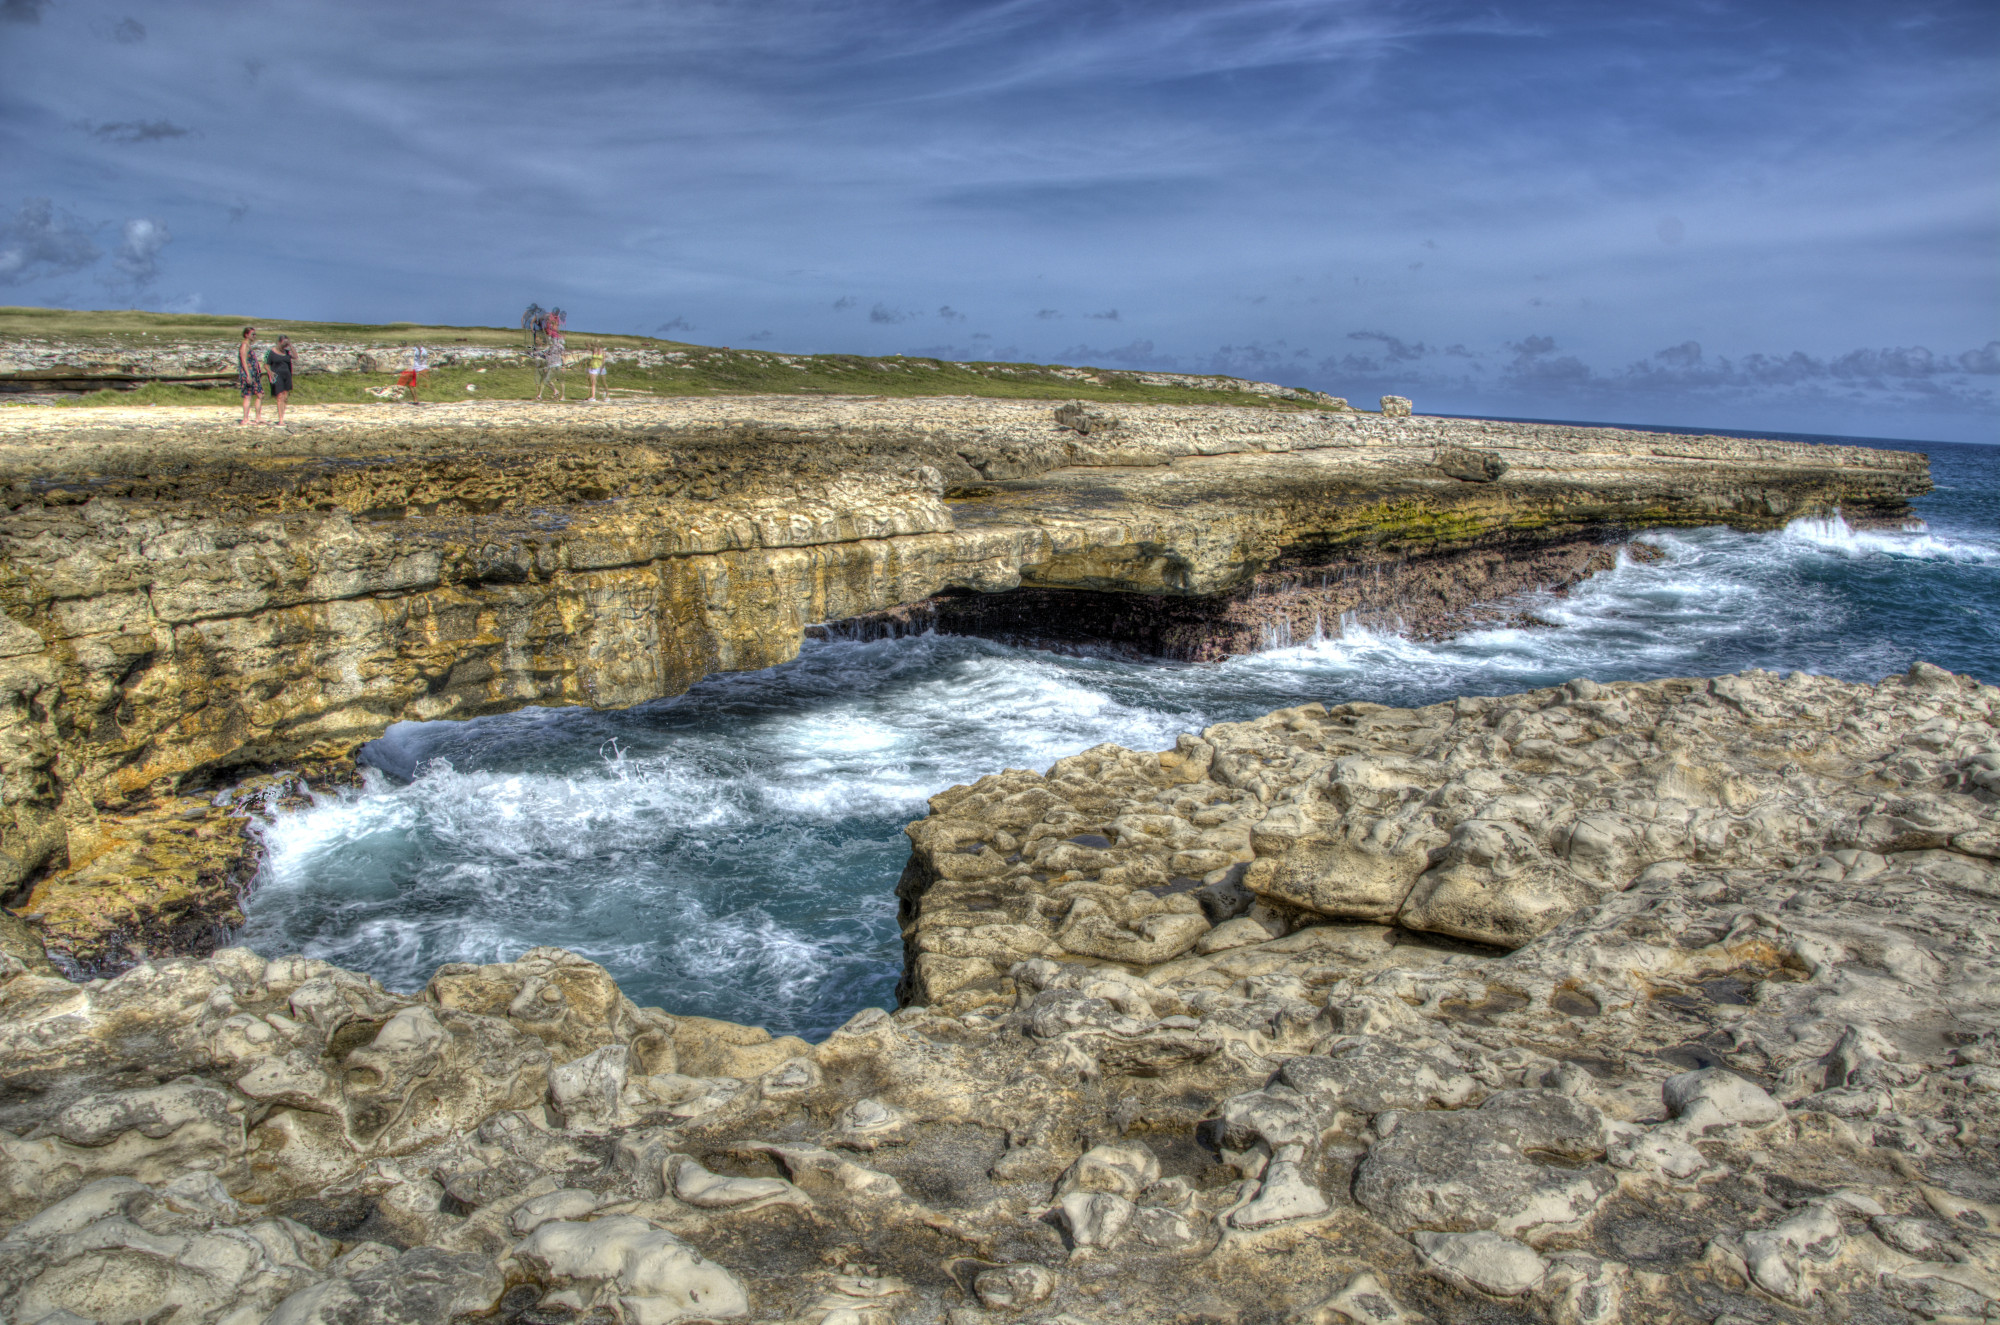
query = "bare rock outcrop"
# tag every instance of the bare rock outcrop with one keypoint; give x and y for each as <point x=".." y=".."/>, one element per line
<point x="1487" y="820"/>
<point x="1748" y="1073"/>
<point x="184" y="601"/>
<point x="1470" y="463"/>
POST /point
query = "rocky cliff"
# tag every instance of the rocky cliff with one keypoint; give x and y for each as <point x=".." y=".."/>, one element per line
<point x="1740" y="1068"/>
<point x="186" y="600"/>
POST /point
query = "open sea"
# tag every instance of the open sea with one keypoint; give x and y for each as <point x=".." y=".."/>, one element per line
<point x="733" y="852"/>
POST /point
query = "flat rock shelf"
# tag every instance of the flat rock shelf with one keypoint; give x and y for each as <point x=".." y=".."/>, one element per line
<point x="1642" y="1002"/>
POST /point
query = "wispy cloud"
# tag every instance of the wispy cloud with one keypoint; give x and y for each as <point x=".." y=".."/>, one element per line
<point x="136" y="131"/>
<point x="44" y="240"/>
<point x="1396" y="349"/>
<point x="1246" y="182"/>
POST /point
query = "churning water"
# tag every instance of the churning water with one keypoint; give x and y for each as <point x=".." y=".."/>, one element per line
<point x="733" y="852"/>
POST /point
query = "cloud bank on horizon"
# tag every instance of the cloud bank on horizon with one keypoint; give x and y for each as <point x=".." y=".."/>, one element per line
<point x="1776" y="216"/>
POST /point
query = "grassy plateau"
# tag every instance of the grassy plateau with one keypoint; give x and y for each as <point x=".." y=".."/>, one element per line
<point x="687" y="370"/>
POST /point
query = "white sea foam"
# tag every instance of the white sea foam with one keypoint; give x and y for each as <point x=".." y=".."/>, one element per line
<point x="732" y="852"/>
<point x="1833" y="534"/>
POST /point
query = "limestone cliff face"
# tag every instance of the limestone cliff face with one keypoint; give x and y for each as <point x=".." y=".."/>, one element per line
<point x="183" y="597"/>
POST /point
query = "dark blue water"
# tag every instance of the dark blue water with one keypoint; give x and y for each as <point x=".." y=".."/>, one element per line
<point x="732" y="852"/>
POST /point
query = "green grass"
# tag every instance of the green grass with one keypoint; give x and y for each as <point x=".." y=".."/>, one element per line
<point x="114" y="329"/>
<point x="707" y="370"/>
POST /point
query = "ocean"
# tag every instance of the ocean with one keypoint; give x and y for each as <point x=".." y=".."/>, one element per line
<point x="732" y="852"/>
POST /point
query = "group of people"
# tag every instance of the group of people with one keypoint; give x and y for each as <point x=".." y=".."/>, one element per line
<point x="273" y="371"/>
<point x="550" y="361"/>
<point x="254" y="376"/>
<point x="550" y="355"/>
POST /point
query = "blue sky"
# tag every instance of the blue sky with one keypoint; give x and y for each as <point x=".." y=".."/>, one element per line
<point x="1744" y="215"/>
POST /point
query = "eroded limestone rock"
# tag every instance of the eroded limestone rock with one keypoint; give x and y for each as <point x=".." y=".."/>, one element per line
<point x="1486" y="820"/>
<point x="182" y="600"/>
<point x="1753" y="1073"/>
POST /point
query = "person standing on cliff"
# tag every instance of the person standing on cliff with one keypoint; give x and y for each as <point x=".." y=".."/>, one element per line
<point x="278" y="369"/>
<point x="249" y="376"/>
<point x="549" y="369"/>
<point x="413" y="376"/>
<point x="596" y="363"/>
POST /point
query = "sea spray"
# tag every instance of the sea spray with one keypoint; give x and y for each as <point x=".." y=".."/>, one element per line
<point x="733" y="852"/>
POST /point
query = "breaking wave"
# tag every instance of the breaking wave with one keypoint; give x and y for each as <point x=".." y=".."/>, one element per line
<point x="732" y="852"/>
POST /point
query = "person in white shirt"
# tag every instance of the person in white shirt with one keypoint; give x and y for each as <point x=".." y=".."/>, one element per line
<point x="413" y="377"/>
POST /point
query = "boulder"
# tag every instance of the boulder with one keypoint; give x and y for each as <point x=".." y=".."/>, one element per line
<point x="1469" y="463"/>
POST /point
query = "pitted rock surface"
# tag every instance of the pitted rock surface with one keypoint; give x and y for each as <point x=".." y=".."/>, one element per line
<point x="1749" y="1073"/>
<point x="1488" y="820"/>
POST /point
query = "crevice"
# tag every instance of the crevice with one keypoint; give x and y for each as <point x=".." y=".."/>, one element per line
<point x="1295" y="602"/>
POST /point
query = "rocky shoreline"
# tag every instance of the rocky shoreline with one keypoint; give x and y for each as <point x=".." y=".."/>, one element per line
<point x="188" y="604"/>
<point x="1659" y="1001"/>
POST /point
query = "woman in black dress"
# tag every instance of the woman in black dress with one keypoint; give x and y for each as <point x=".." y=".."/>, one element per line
<point x="249" y="377"/>
<point x="278" y="367"/>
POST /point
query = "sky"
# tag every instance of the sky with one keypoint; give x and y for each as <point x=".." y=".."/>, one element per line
<point x="1744" y="215"/>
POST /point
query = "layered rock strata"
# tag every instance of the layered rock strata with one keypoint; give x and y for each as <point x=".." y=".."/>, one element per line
<point x="1747" y="1075"/>
<point x="1423" y="597"/>
<point x="185" y="600"/>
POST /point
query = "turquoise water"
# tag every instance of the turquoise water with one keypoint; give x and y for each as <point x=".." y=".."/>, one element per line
<point x="732" y="852"/>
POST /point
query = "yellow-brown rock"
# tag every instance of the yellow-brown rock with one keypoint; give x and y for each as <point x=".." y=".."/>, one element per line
<point x="184" y="597"/>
